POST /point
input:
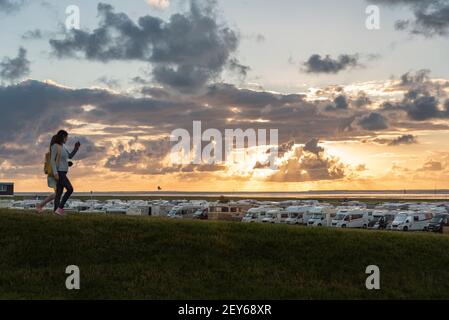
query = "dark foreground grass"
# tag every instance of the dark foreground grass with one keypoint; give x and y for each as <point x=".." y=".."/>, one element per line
<point x="144" y="258"/>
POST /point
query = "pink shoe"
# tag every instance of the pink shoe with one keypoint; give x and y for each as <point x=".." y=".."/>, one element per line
<point x="60" y="212"/>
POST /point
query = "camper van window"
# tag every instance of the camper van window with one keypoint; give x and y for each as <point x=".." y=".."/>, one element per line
<point x="416" y="218"/>
<point x="340" y="217"/>
<point x="233" y="210"/>
<point x="3" y="188"/>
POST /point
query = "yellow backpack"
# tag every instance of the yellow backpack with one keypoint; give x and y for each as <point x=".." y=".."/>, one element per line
<point x="47" y="162"/>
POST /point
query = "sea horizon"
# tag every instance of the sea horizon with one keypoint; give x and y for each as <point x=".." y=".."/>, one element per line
<point x="359" y="194"/>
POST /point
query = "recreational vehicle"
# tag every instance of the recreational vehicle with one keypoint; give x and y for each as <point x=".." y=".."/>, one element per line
<point x="233" y="211"/>
<point x="184" y="211"/>
<point x="299" y="214"/>
<point x="357" y="218"/>
<point x="381" y="220"/>
<point x="321" y="217"/>
<point x="257" y="214"/>
<point x="201" y="214"/>
<point x="411" y="221"/>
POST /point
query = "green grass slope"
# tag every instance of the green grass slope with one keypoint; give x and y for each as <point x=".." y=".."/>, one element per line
<point x="145" y="258"/>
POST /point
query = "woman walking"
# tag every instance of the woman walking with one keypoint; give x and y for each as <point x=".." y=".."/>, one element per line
<point x="51" y="184"/>
<point x="60" y="165"/>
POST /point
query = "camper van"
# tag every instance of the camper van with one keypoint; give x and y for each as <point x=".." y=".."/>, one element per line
<point x="321" y="217"/>
<point x="232" y="211"/>
<point x="357" y="218"/>
<point x="411" y="221"/>
<point x="184" y="211"/>
<point x="252" y="215"/>
<point x="381" y="220"/>
<point x="259" y="214"/>
<point x="299" y="214"/>
<point x="282" y="216"/>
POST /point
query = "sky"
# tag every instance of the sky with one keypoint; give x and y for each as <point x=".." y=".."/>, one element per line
<point x="355" y="107"/>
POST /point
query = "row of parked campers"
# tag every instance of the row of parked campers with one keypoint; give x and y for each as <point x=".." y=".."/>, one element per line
<point x="350" y="218"/>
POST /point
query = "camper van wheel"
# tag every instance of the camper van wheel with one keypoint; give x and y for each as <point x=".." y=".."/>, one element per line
<point x="405" y="229"/>
<point x="343" y="226"/>
<point x="320" y="225"/>
<point x="365" y="226"/>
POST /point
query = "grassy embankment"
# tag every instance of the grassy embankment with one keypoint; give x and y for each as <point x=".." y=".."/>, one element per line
<point x="149" y="258"/>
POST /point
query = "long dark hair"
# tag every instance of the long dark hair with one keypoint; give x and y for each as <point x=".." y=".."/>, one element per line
<point x="53" y="140"/>
<point x="60" y="136"/>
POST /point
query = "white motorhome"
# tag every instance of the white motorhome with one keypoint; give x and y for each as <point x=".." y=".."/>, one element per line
<point x="382" y="219"/>
<point x="321" y="216"/>
<point x="346" y="218"/>
<point x="252" y="215"/>
<point x="184" y="211"/>
<point x="411" y="221"/>
<point x="282" y="216"/>
<point x="271" y="216"/>
<point x="259" y="214"/>
<point x="299" y="214"/>
<point x="141" y="210"/>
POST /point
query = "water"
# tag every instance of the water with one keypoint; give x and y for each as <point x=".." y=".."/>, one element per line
<point x="362" y="194"/>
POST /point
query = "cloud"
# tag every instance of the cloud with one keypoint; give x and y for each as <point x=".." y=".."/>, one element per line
<point x="309" y="163"/>
<point x="313" y="147"/>
<point x="33" y="110"/>
<point x="12" y="69"/>
<point x="9" y="6"/>
<point x="419" y="105"/>
<point x="431" y="17"/>
<point x="406" y="139"/>
<point x="185" y="52"/>
<point x="340" y="103"/>
<point x="35" y="34"/>
<point x="318" y="64"/>
<point x="422" y="100"/>
<point x="109" y="82"/>
<point x="159" y="4"/>
<point x="432" y="166"/>
<point x="373" y="121"/>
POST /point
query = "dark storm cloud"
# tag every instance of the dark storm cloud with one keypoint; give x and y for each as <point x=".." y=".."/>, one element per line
<point x="313" y="147"/>
<point x="431" y="17"/>
<point x="32" y="111"/>
<point x="310" y="163"/>
<point x="373" y="121"/>
<point x="340" y="103"/>
<point x="185" y="52"/>
<point x="423" y="99"/>
<point x="12" y="69"/>
<point x="419" y="105"/>
<point x="33" y="108"/>
<point x="409" y="79"/>
<point x="327" y="64"/>
<point x="405" y="139"/>
<point x="227" y="94"/>
<point x="9" y="6"/>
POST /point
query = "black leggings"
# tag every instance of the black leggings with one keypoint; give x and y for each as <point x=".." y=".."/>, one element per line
<point x="63" y="182"/>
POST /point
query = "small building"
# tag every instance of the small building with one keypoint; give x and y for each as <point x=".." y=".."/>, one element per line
<point x="6" y="189"/>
